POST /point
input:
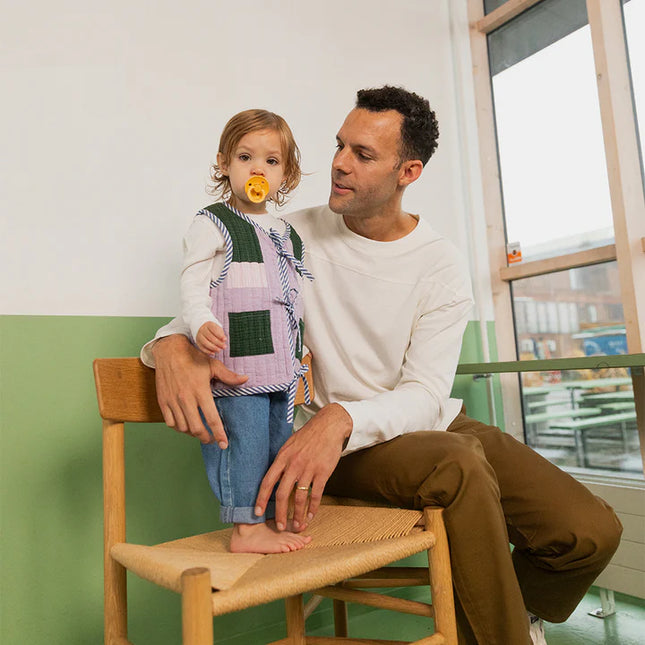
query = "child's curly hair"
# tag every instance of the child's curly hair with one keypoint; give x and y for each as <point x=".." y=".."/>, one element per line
<point x="251" y="121"/>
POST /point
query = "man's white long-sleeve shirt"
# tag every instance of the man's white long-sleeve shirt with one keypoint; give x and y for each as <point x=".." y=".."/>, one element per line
<point x="384" y="322"/>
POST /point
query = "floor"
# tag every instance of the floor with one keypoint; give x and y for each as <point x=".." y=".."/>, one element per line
<point x="625" y="627"/>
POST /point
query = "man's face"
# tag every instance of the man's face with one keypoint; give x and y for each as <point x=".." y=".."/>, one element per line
<point x="365" y="171"/>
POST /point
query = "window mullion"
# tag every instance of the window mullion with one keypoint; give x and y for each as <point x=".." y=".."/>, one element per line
<point x="623" y="162"/>
<point x="625" y="179"/>
<point x="503" y="14"/>
<point x="496" y="237"/>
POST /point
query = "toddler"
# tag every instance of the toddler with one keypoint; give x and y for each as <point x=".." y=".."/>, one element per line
<point x="241" y="288"/>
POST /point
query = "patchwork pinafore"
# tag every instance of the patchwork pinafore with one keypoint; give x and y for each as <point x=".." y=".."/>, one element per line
<point x="258" y="300"/>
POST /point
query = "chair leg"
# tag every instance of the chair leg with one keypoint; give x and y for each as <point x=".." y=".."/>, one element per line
<point x="115" y="583"/>
<point x="196" y="609"/>
<point x="115" y="603"/>
<point x="340" y="618"/>
<point x="443" y="600"/>
<point x="295" y="620"/>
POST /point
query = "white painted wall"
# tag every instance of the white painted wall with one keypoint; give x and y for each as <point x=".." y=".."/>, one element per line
<point x="112" y="112"/>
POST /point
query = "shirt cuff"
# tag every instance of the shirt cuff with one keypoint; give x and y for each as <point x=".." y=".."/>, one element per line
<point x="175" y="326"/>
<point x="357" y="440"/>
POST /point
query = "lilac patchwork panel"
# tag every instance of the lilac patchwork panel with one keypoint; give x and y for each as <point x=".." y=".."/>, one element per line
<point x="258" y="287"/>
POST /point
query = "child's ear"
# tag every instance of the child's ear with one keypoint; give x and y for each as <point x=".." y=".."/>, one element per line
<point x="222" y="163"/>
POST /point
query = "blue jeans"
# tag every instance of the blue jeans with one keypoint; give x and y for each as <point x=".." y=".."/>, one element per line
<point x="256" y="428"/>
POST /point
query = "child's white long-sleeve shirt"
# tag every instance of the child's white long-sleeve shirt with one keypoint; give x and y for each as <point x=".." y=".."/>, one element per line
<point x="204" y="252"/>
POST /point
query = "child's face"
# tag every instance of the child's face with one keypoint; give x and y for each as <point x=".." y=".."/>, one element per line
<point x="257" y="153"/>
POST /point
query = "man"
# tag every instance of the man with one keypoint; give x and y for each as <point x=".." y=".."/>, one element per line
<point x="385" y="318"/>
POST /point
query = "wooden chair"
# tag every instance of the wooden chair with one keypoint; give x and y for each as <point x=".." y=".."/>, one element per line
<point x="350" y="549"/>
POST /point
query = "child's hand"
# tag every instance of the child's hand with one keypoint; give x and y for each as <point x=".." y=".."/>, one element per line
<point x="210" y="338"/>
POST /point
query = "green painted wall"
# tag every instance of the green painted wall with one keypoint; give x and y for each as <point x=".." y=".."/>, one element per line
<point x="50" y="488"/>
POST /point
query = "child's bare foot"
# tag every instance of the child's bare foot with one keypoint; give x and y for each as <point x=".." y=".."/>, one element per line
<point x="260" y="538"/>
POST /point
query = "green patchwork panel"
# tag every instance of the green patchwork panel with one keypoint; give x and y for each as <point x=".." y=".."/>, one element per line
<point x="301" y="335"/>
<point x="246" y="245"/>
<point x="297" y="244"/>
<point x="250" y="333"/>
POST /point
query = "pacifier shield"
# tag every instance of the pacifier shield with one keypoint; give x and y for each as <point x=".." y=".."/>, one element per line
<point x="256" y="189"/>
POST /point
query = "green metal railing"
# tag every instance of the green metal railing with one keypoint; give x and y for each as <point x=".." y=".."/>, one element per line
<point x="635" y="361"/>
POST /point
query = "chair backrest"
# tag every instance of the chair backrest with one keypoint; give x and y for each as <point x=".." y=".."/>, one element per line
<point x="125" y="389"/>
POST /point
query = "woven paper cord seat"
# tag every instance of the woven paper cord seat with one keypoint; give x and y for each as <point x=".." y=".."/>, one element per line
<point x="350" y="546"/>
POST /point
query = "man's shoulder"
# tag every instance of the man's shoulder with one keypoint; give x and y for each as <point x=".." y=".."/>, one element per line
<point x="307" y="214"/>
<point x="310" y="222"/>
<point x="441" y="260"/>
<point x="436" y="243"/>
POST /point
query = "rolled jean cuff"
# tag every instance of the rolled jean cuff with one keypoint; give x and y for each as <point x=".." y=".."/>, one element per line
<point x="245" y="514"/>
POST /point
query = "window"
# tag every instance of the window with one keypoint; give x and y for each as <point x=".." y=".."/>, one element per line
<point x="565" y="137"/>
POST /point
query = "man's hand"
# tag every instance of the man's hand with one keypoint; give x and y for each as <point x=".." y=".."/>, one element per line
<point x="183" y="376"/>
<point x="308" y="458"/>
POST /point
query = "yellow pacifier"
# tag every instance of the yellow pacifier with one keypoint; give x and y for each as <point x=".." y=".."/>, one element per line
<point x="256" y="189"/>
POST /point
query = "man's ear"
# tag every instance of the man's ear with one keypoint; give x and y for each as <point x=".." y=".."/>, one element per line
<point x="410" y="171"/>
<point x="222" y="164"/>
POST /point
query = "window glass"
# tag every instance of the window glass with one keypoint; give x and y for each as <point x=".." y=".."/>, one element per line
<point x="570" y="313"/>
<point x="583" y="420"/>
<point x="538" y="27"/>
<point x="491" y="5"/>
<point x="634" y="12"/>
<point x="551" y="151"/>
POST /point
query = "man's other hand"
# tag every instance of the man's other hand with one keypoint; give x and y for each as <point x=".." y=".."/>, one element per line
<point x="306" y="460"/>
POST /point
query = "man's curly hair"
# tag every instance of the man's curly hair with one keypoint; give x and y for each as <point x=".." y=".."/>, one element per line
<point x="419" y="129"/>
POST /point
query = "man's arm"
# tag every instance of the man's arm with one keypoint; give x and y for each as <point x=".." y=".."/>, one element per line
<point x="420" y="399"/>
<point x="415" y="403"/>
<point x="183" y="376"/>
